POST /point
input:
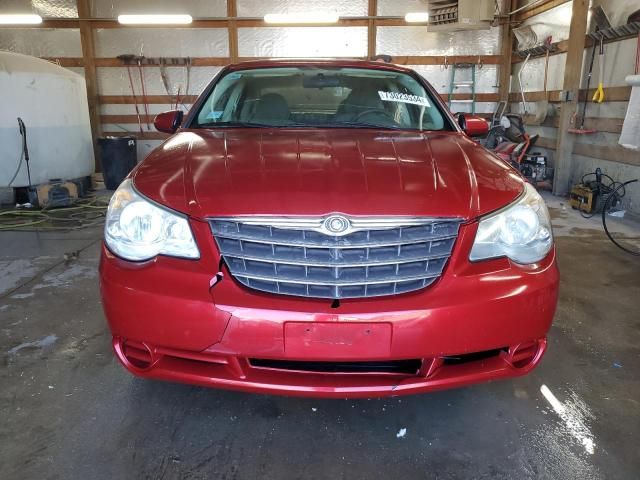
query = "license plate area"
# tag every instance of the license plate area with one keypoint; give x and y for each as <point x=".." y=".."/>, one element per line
<point x="337" y="341"/>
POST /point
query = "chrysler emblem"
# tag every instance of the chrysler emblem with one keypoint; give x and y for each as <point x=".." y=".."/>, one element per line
<point x="337" y="224"/>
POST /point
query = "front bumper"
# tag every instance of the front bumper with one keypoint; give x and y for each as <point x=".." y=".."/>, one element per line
<point x="491" y="316"/>
<point x="230" y="371"/>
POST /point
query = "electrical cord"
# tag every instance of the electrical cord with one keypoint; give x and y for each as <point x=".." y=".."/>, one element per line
<point x="603" y="189"/>
<point x="605" y="209"/>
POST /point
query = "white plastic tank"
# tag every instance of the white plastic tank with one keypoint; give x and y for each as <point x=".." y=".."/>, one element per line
<point x="52" y="102"/>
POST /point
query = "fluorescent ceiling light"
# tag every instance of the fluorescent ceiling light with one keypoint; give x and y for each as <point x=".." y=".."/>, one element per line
<point x="20" y="19"/>
<point x="154" y="19"/>
<point x="301" y="18"/>
<point x="416" y="17"/>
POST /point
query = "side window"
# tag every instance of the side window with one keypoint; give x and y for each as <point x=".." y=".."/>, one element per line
<point x="222" y="102"/>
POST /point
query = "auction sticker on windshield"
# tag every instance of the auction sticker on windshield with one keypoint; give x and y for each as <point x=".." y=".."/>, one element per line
<point x="403" y="98"/>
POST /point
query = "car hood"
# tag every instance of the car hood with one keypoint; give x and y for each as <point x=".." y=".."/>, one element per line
<point x="314" y="172"/>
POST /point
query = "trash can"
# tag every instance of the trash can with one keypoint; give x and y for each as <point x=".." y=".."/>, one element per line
<point x="118" y="156"/>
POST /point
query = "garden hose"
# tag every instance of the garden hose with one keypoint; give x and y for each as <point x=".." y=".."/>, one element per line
<point x="607" y="205"/>
<point x="83" y="215"/>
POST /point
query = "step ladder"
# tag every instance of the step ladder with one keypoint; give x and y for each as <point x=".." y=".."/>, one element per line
<point x="469" y="83"/>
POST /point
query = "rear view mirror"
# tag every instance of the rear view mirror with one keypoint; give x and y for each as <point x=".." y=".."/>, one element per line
<point x="168" y="122"/>
<point x="320" y="81"/>
<point x="472" y="125"/>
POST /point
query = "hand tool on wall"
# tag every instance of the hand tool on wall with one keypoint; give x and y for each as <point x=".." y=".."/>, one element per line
<point x="186" y="88"/>
<point x="598" y="96"/>
<point x="574" y="118"/>
<point x="177" y="97"/>
<point x="144" y="94"/>
<point x="126" y="59"/>
<point x="524" y="100"/>
<point x="165" y="79"/>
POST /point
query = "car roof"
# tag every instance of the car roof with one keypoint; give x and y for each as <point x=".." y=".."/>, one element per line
<point x="319" y="62"/>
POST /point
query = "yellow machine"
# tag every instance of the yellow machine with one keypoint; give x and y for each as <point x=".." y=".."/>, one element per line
<point x="583" y="197"/>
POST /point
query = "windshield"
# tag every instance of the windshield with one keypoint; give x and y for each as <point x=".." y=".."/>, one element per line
<point x="320" y="97"/>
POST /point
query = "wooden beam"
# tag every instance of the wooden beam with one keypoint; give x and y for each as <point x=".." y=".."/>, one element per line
<point x="372" y="9"/>
<point x="232" y="28"/>
<point x="140" y="136"/>
<point x="195" y="62"/>
<point x="222" y="61"/>
<point x="538" y="9"/>
<point x="612" y="94"/>
<point x="239" y="23"/>
<point x="440" y="59"/>
<point x="90" y="75"/>
<point x="563" y="45"/>
<point x="214" y="23"/>
<point x="546" y="142"/>
<point x="151" y="99"/>
<point x="571" y="84"/>
<point x="607" y="125"/>
<point x="132" y="119"/>
<point x="480" y="97"/>
<point x="189" y="99"/>
<point x="506" y="50"/>
<point x="126" y="119"/>
<point x="610" y="153"/>
<point x="66" y="61"/>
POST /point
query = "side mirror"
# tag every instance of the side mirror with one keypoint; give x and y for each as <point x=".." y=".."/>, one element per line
<point x="168" y="122"/>
<point x="473" y="126"/>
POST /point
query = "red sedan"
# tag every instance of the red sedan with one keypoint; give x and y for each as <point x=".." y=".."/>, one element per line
<point x="326" y="228"/>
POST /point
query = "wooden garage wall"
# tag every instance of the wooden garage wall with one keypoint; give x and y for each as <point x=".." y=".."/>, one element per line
<point x="600" y="149"/>
<point x="84" y="36"/>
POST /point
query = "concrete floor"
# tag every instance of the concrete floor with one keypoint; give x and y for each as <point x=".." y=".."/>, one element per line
<point x="68" y="410"/>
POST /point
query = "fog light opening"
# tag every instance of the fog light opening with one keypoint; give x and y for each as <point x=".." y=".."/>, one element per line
<point x="137" y="354"/>
<point x="523" y="354"/>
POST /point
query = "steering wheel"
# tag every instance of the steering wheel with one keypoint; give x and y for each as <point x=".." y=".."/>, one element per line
<point x="372" y="111"/>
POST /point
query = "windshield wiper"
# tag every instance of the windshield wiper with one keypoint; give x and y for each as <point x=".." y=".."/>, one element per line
<point x="361" y="125"/>
<point x="254" y="125"/>
<point x="234" y="124"/>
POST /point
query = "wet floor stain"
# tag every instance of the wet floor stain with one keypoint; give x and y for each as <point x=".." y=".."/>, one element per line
<point x="43" y="343"/>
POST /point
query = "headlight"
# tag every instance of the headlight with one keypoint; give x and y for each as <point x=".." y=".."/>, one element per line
<point x="137" y="229"/>
<point x="522" y="231"/>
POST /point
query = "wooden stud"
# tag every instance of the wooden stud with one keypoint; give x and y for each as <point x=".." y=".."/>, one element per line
<point x="372" y="9"/>
<point x="90" y="75"/>
<point x="232" y="27"/>
<point x="506" y="51"/>
<point x="571" y="85"/>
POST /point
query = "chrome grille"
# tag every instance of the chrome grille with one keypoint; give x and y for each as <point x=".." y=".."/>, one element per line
<point x="298" y="256"/>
